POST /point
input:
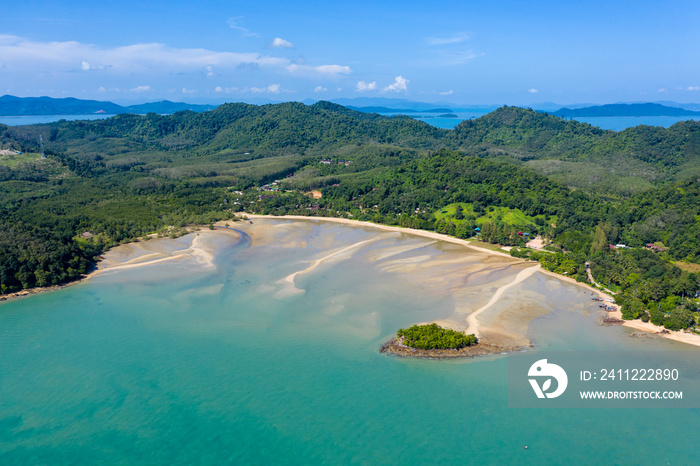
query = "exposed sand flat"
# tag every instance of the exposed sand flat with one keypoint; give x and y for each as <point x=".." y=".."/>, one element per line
<point x="289" y="279"/>
<point x="410" y="231"/>
<point x="388" y="252"/>
<point x="141" y="263"/>
<point x="473" y="322"/>
<point x="141" y="259"/>
<point x="406" y="264"/>
<point x="317" y="262"/>
<point x="462" y="297"/>
<point x="157" y="251"/>
<point x="201" y="251"/>
<point x="448" y="267"/>
<point x="445" y="268"/>
<point x="440" y="264"/>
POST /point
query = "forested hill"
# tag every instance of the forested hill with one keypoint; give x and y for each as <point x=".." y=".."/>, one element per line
<point x="286" y="127"/>
<point x="108" y="181"/>
<point x="617" y="164"/>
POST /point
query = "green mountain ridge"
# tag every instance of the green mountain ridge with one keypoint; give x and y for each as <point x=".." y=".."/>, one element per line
<point x="583" y="156"/>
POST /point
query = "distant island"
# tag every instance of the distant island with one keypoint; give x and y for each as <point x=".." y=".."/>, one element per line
<point x="624" y="110"/>
<point x="21" y="106"/>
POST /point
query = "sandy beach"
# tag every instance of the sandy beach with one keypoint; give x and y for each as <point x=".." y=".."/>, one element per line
<point x="472" y="320"/>
<point x="154" y="251"/>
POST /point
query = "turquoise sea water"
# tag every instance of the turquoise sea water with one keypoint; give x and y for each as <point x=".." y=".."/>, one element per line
<point x="176" y="363"/>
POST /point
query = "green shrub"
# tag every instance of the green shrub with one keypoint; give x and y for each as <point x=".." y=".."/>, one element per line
<point x="433" y="336"/>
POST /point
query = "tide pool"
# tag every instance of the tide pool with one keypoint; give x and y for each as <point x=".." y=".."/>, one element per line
<point x="180" y="363"/>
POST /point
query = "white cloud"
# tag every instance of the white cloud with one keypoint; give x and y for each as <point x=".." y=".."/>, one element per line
<point x="188" y="91"/>
<point x="450" y="92"/>
<point x="694" y="88"/>
<point x="328" y="70"/>
<point x="234" y="24"/>
<point x="400" y="84"/>
<point x="141" y="89"/>
<point x="281" y="43"/>
<point x="662" y="90"/>
<point x="226" y="90"/>
<point x="31" y="55"/>
<point x="53" y="58"/>
<point x="533" y="91"/>
<point x="446" y="40"/>
<point x="24" y="59"/>
<point x="101" y="89"/>
<point x="333" y="69"/>
<point x="271" y="89"/>
<point x="363" y="86"/>
<point x="320" y="89"/>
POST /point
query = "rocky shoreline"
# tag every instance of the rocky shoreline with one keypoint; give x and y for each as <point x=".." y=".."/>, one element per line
<point x="482" y="348"/>
<point x="609" y="321"/>
<point x="37" y="290"/>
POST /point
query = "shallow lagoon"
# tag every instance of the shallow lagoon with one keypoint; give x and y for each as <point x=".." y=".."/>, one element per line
<point x="181" y="362"/>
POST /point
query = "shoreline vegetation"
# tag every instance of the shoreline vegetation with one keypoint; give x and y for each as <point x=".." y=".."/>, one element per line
<point x="482" y="347"/>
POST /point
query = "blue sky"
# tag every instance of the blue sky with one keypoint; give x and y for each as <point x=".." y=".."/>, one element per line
<point x="462" y="52"/>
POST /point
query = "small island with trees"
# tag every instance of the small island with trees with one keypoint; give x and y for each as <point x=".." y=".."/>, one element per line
<point x="432" y="336"/>
<point x="433" y="341"/>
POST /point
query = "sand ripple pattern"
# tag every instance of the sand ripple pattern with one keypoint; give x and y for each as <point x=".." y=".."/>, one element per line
<point x="473" y="323"/>
<point x="288" y="281"/>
